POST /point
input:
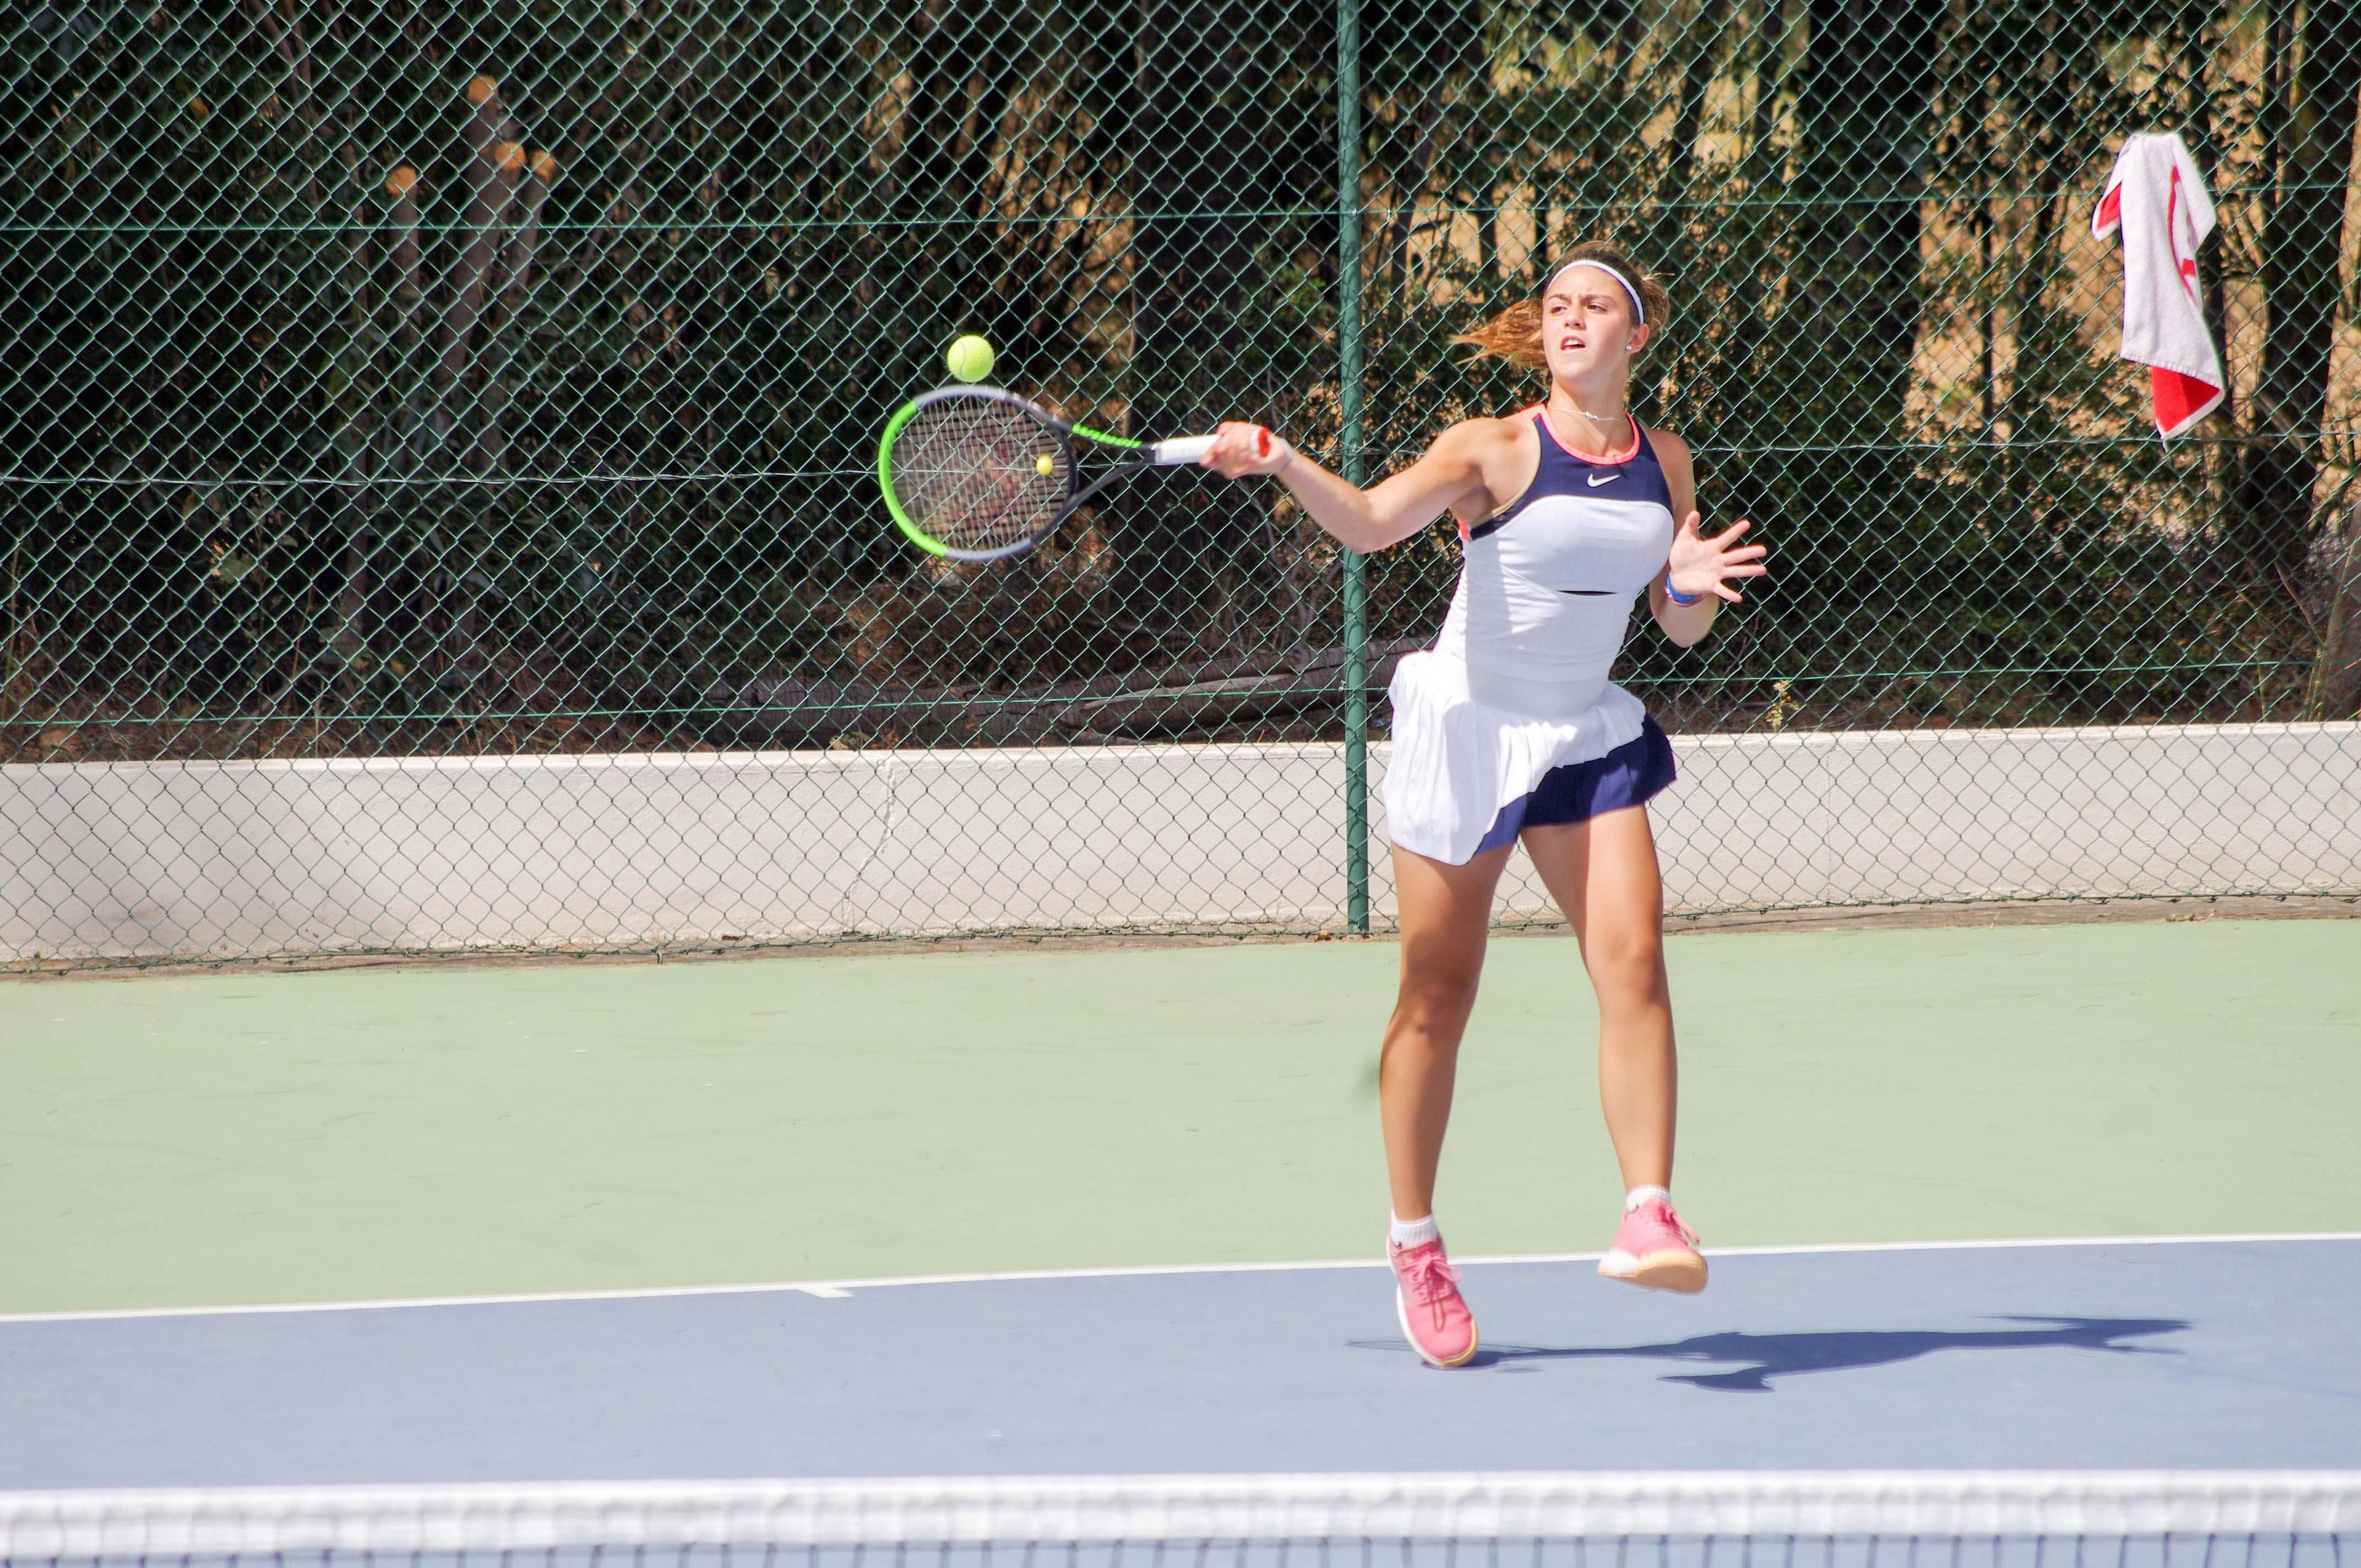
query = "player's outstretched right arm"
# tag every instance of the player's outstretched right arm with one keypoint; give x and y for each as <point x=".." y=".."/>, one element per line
<point x="1450" y="475"/>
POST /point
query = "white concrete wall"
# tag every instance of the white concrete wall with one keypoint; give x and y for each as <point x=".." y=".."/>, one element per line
<point x="273" y="858"/>
<point x="1902" y="815"/>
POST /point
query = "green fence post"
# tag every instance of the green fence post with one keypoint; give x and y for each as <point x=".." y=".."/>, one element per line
<point x="1348" y="370"/>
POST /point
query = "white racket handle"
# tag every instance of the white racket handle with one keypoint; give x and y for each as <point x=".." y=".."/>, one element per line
<point x="1189" y="449"/>
<point x="1183" y="449"/>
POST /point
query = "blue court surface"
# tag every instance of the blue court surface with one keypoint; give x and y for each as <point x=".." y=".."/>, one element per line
<point x="2200" y="1352"/>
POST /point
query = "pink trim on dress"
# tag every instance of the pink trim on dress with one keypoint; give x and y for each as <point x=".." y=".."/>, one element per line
<point x="1541" y="412"/>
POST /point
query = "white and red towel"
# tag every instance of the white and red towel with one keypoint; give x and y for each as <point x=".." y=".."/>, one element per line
<point x="2157" y="199"/>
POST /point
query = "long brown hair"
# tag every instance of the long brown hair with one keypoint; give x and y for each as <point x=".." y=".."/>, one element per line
<point x="1515" y="334"/>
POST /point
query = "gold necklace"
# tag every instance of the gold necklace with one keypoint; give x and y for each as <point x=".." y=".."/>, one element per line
<point x="1596" y="419"/>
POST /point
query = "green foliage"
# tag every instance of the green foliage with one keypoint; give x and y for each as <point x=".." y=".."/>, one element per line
<point x="486" y="459"/>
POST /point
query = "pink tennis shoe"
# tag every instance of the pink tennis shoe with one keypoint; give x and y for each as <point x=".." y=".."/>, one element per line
<point x="1426" y="1298"/>
<point x="1654" y="1249"/>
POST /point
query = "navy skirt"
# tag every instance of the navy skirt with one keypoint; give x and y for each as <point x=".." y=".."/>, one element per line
<point x="1629" y="775"/>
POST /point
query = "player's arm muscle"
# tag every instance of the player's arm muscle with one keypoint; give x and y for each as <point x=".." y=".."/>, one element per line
<point x="1450" y="474"/>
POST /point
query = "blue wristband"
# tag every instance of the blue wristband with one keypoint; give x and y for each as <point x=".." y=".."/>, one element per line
<point x="1677" y="596"/>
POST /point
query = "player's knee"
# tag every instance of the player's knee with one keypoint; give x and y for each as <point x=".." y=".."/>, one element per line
<point x="1626" y="967"/>
<point x="1437" y="993"/>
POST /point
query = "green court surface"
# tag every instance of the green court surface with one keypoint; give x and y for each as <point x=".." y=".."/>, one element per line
<point x="191" y="1138"/>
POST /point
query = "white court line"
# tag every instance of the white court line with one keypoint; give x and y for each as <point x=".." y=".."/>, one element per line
<point x="833" y="1290"/>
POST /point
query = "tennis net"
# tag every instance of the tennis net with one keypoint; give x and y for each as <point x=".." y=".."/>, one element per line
<point x="1635" y="1519"/>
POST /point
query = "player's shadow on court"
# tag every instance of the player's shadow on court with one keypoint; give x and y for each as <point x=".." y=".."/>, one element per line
<point x="1765" y="1356"/>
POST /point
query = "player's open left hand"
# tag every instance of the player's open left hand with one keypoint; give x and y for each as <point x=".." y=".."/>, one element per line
<point x="1240" y="449"/>
<point x="1700" y="566"/>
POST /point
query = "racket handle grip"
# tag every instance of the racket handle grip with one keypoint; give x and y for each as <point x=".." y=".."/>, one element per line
<point x="1183" y="449"/>
<point x="1193" y="448"/>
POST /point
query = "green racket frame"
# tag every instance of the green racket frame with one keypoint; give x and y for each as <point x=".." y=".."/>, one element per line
<point x="1150" y="455"/>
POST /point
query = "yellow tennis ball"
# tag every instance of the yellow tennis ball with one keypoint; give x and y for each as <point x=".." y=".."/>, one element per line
<point x="970" y="358"/>
<point x="1045" y="465"/>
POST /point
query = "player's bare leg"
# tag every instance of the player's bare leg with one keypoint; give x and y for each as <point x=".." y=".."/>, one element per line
<point x="1445" y="911"/>
<point x="1604" y="875"/>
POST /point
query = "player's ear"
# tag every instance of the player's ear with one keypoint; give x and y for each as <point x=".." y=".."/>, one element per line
<point x="1639" y="339"/>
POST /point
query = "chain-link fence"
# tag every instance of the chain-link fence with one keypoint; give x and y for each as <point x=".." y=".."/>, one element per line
<point x="440" y="493"/>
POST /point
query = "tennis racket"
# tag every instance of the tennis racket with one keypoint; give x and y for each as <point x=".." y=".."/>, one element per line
<point x="977" y="473"/>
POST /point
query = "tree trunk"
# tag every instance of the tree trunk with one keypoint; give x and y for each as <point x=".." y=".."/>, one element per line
<point x="2270" y="519"/>
<point x="2336" y="677"/>
<point x="492" y="437"/>
<point x="1868" y="72"/>
<point x="493" y="165"/>
<point x="1693" y="68"/>
<point x="1200" y="177"/>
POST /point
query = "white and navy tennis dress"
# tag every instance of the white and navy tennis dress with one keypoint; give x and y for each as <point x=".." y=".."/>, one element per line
<point x="1509" y="721"/>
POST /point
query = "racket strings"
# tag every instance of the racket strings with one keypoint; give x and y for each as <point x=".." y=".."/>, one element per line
<point x="971" y="474"/>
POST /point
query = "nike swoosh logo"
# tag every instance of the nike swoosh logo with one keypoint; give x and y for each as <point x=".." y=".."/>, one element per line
<point x="1597" y="480"/>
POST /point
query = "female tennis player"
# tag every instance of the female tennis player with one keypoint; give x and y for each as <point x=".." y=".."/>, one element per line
<point x="1509" y="730"/>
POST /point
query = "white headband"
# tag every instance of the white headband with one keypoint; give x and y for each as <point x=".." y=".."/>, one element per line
<point x="1638" y="310"/>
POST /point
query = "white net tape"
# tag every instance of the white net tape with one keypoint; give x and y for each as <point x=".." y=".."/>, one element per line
<point x="500" y="1516"/>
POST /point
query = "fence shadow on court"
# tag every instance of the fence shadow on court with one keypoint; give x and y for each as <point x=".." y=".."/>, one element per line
<point x="1762" y="1357"/>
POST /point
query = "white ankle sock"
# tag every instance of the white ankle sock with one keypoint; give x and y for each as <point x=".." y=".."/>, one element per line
<point x="1639" y="1195"/>
<point x="1412" y="1233"/>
